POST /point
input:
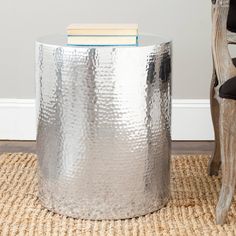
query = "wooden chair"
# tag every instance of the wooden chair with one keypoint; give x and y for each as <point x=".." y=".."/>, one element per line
<point x="223" y="102"/>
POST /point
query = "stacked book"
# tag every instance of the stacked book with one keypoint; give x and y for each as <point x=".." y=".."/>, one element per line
<point x="102" y="34"/>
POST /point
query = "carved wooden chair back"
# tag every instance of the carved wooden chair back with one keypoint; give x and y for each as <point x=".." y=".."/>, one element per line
<point x="223" y="102"/>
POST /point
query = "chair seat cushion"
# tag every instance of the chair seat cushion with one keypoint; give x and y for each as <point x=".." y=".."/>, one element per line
<point x="228" y="89"/>
<point x="231" y="23"/>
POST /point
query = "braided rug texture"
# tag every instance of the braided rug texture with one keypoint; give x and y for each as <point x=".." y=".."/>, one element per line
<point x="190" y="211"/>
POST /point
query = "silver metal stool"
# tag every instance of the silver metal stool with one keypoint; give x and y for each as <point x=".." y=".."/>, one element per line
<point x="103" y="138"/>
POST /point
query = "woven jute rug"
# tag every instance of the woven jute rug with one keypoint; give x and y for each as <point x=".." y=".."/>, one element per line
<point x="191" y="210"/>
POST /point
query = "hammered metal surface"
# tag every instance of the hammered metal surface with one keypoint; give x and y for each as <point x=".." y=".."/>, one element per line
<point x="103" y="138"/>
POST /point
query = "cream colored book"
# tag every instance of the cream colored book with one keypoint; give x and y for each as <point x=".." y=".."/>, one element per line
<point x="101" y="40"/>
<point x="102" y="29"/>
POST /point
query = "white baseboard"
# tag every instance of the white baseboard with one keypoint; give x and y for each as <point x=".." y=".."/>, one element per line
<point x="17" y="119"/>
<point x="191" y="119"/>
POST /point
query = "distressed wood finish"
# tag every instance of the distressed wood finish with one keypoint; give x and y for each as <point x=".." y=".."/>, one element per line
<point x="215" y="161"/>
<point x="231" y="37"/>
<point x="228" y="157"/>
<point x="223" y="114"/>
<point x="222" y="59"/>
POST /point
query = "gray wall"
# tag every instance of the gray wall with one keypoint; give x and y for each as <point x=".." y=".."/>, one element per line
<point x="187" y="22"/>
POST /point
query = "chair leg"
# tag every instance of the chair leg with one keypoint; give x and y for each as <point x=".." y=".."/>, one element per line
<point x="228" y="157"/>
<point x="214" y="163"/>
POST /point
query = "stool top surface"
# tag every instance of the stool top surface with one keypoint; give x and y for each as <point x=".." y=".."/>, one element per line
<point x="144" y="40"/>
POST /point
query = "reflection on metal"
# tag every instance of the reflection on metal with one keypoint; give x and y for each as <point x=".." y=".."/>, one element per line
<point x="103" y="139"/>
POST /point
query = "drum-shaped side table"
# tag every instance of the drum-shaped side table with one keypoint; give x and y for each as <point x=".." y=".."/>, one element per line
<point x="103" y="137"/>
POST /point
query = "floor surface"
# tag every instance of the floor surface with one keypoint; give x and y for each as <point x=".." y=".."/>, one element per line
<point x="178" y="147"/>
